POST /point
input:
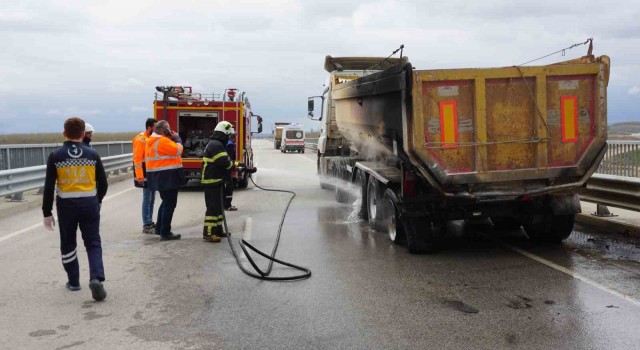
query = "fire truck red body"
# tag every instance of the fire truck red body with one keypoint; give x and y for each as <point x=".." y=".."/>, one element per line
<point x="194" y="116"/>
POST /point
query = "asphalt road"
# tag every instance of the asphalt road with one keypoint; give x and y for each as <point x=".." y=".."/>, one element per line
<point x="484" y="290"/>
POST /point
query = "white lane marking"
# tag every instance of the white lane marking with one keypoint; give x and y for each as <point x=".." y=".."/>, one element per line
<point x="307" y="158"/>
<point x="574" y="275"/>
<point x="26" y="229"/>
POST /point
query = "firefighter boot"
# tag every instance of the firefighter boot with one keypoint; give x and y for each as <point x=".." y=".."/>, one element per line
<point x="212" y="238"/>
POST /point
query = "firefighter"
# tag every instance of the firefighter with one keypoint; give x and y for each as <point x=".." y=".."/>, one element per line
<point x="164" y="174"/>
<point x="215" y="164"/>
<point x="140" y="180"/>
<point x="88" y="134"/>
<point x="77" y="173"/>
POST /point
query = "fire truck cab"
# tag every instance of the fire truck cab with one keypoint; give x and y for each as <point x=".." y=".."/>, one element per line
<point x="194" y="116"/>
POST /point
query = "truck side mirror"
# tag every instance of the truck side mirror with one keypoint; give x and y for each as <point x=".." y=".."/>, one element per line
<point x="310" y="105"/>
<point x="259" y="119"/>
<point x="311" y="108"/>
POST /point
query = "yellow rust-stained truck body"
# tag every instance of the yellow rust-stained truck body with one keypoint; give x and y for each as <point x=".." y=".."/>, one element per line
<point x="514" y="144"/>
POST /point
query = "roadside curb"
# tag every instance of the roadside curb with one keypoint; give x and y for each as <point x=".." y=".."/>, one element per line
<point x="611" y="225"/>
<point x="34" y="200"/>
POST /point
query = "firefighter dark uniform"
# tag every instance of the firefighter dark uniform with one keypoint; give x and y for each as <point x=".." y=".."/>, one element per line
<point x="228" y="180"/>
<point x="215" y="164"/>
<point x="164" y="173"/>
<point x="77" y="174"/>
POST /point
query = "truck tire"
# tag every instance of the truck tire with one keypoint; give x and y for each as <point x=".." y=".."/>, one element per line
<point x="506" y="223"/>
<point x="373" y="194"/>
<point x="361" y="186"/>
<point x="302" y="151"/>
<point x="391" y="223"/>
<point x="550" y="228"/>
<point x="341" y="194"/>
<point x="422" y="234"/>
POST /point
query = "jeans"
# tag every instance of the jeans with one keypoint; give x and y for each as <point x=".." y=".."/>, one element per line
<point x="165" y="213"/>
<point x="148" y="199"/>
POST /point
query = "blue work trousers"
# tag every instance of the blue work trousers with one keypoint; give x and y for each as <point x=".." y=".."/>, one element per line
<point x="148" y="200"/>
<point x="165" y="212"/>
<point x="83" y="213"/>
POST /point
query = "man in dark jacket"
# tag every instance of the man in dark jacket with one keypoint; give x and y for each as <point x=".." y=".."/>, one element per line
<point x="215" y="164"/>
<point x="162" y="157"/>
<point x="77" y="174"/>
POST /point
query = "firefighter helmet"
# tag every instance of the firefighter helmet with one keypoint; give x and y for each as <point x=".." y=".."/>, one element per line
<point x="88" y="127"/>
<point x="225" y="127"/>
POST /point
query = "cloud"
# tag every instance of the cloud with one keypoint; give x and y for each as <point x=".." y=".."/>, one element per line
<point x="74" y="111"/>
<point x="140" y="109"/>
<point x="124" y="86"/>
<point x="634" y="90"/>
<point x="108" y="56"/>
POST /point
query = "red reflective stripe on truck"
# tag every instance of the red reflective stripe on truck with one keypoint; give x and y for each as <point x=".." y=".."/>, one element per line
<point x="448" y="123"/>
<point x="569" y="112"/>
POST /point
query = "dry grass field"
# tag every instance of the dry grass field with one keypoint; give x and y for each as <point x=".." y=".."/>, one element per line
<point x="57" y="137"/>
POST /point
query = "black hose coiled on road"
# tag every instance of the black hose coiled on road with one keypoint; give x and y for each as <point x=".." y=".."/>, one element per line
<point x="264" y="275"/>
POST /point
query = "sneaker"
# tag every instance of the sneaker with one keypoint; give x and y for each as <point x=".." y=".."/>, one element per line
<point x="170" y="237"/>
<point x="231" y="208"/>
<point x="148" y="229"/>
<point x="97" y="290"/>
<point x="72" y="287"/>
<point x="212" y="238"/>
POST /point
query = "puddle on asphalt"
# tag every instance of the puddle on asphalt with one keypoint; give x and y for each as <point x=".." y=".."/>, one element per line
<point x="609" y="246"/>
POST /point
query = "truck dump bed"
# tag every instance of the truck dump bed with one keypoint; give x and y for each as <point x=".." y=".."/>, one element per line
<point x="493" y="125"/>
<point x="495" y="131"/>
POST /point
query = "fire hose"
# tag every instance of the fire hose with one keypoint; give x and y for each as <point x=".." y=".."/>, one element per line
<point x="260" y="274"/>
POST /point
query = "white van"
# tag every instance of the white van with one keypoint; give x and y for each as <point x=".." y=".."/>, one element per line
<point x="292" y="139"/>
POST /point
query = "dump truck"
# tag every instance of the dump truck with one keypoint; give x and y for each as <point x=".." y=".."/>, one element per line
<point x="277" y="134"/>
<point x="194" y="116"/>
<point x="419" y="148"/>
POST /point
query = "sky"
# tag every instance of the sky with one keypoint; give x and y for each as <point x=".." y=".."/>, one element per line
<point x="101" y="60"/>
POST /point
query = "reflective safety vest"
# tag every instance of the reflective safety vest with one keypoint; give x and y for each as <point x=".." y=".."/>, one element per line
<point x="161" y="153"/>
<point x="139" y="145"/>
<point x="75" y="170"/>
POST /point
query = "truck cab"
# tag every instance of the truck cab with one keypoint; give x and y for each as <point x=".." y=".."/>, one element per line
<point x="292" y="139"/>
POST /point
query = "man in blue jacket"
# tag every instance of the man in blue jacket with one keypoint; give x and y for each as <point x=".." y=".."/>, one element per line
<point x="77" y="174"/>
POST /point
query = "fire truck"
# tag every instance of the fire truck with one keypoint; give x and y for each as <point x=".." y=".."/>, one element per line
<point x="194" y="116"/>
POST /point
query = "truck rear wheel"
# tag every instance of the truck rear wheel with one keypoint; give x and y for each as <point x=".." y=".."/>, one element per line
<point x="391" y="224"/>
<point x="423" y="234"/>
<point x="361" y="187"/>
<point x="373" y="192"/>
<point x="506" y="222"/>
<point x="550" y="228"/>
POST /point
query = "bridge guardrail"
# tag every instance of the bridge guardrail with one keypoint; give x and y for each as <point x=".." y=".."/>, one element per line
<point x="611" y="190"/>
<point x="29" y="155"/>
<point x="14" y="182"/>
<point x="311" y="144"/>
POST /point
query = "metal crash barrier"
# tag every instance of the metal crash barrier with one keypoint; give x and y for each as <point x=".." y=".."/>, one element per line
<point x="611" y="190"/>
<point x="15" y="182"/>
